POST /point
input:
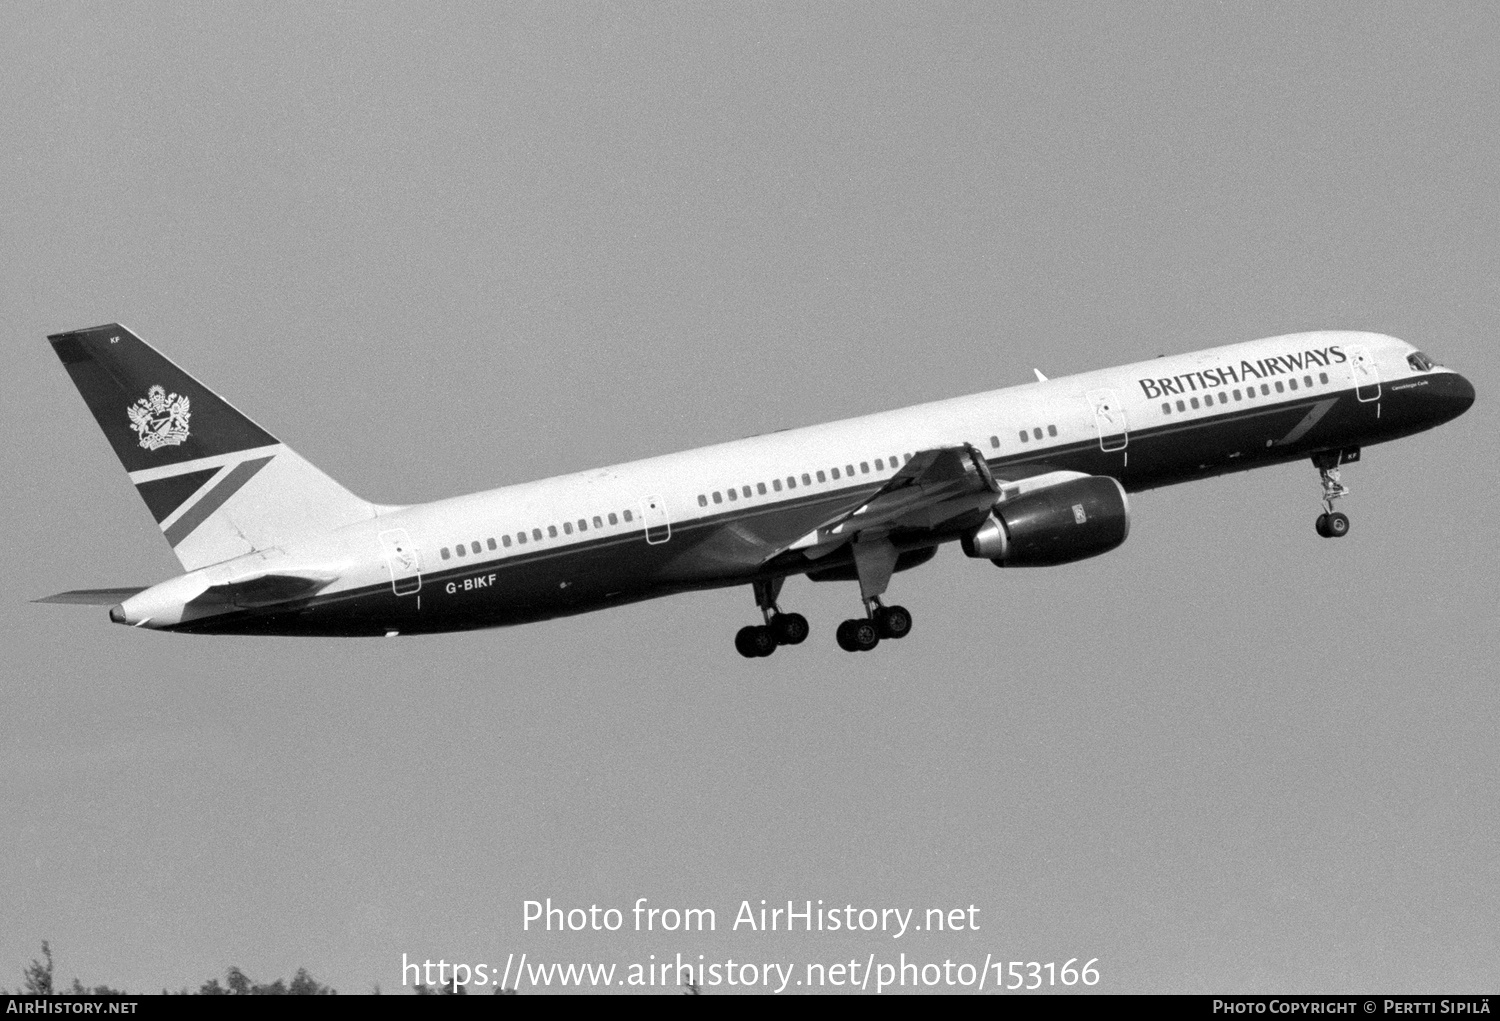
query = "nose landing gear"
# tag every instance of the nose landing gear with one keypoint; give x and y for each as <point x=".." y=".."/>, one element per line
<point x="1331" y="524"/>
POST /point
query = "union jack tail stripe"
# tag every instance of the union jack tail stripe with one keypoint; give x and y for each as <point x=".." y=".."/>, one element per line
<point x="218" y="485"/>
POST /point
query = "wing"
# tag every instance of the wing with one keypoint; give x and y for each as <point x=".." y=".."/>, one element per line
<point x="933" y="488"/>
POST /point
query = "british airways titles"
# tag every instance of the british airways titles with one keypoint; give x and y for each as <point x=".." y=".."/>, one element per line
<point x="1228" y="375"/>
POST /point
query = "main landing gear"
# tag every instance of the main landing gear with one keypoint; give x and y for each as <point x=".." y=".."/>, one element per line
<point x="874" y="562"/>
<point x="1331" y="524"/>
<point x="779" y="629"/>
<point x="863" y="634"/>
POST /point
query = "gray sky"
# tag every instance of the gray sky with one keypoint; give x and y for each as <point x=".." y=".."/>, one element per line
<point x="443" y="249"/>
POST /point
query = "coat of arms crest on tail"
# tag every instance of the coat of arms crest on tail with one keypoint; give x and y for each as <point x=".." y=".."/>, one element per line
<point x="160" y="419"/>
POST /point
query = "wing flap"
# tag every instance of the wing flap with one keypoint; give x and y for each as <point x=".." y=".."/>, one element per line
<point x="935" y="486"/>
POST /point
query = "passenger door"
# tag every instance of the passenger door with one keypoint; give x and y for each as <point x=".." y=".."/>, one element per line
<point x="404" y="561"/>
<point x="658" y="524"/>
<point x="1366" y="374"/>
<point x="1109" y="419"/>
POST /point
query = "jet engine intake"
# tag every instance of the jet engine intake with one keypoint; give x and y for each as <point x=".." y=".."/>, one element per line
<point x="1070" y="521"/>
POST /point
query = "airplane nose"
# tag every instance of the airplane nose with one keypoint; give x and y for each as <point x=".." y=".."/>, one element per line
<point x="117" y="614"/>
<point x="1456" y="394"/>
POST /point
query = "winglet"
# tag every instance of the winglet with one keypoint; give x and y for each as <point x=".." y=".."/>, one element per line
<point x="1039" y="377"/>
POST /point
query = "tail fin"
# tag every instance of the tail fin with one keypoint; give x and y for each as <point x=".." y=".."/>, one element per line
<point x="219" y="485"/>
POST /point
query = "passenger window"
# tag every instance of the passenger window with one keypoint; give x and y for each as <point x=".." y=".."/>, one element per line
<point x="536" y="533"/>
<point x="1292" y="382"/>
<point x="615" y="521"/>
<point x="1052" y="430"/>
<point x="717" y="499"/>
<point x="1166" y="409"/>
<point x="597" y="522"/>
<point x="1194" y="402"/>
<point x="568" y="527"/>
<point x="896" y="462"/>
<point x="1037" y="432"/>
<point x="459" y="549"/>
<point x="583" y="524"/>
<point x="505" y="541"/>
<point x="475" y="547"/>
<point x="1279" y="387"/>
<point x="1307" y="382"/>
<point x="746" y="491"/>
<point x="1223" y="399"/>
<point x="807" y="481"/>
<point x="776" y="485"/>
<point x="491" y="543"/>
<point x="628" y="516"/>
<point x="995" y="442"/>
<point x="1265" y="390"/>
<point x="702" y="500"/>
<point x="521" y="538"/>
<point x="1208" y="399"/>
<point x="879" y="465"/>
<point x="733" y="496"/>
<point x="1323" y="377"/>
<point x="834" y="472"/>
<point x="760" y="487"/>
<point x="864" y="467"/>
<point x="1237" y="395"/>
<point x="849" y="470"/>
<point x="552" y="531"/>
<point x="791" y="482"/>
<point x="444" y="552"/>
<point x="1181" y="406"/>
<point x="1024" y="437"/>
<point x="822" y="477"/>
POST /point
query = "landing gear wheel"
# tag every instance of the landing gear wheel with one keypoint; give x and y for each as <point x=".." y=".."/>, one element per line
<point x="755" y="641"/>
<point x="893" y="621"/>
<point x="789" y="628"/>
<point x="858" y="635"/>
<point x="1331" y="524"/>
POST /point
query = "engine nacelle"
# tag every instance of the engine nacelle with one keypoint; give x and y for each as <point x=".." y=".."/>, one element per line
<point x="1056" y="525"/>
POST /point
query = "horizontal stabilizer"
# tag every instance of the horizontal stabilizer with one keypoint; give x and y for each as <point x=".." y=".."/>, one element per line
<point x="93" y="596"/>
<point x="267" y="589"/>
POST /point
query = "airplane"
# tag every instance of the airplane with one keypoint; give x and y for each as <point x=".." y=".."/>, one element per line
<point x="1027" y="476"/>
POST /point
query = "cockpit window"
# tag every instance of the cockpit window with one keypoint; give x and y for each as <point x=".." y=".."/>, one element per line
<point x="1420" y="362"/>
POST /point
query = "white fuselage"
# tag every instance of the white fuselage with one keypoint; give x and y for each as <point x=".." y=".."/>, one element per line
<point x="449" y="553"/>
